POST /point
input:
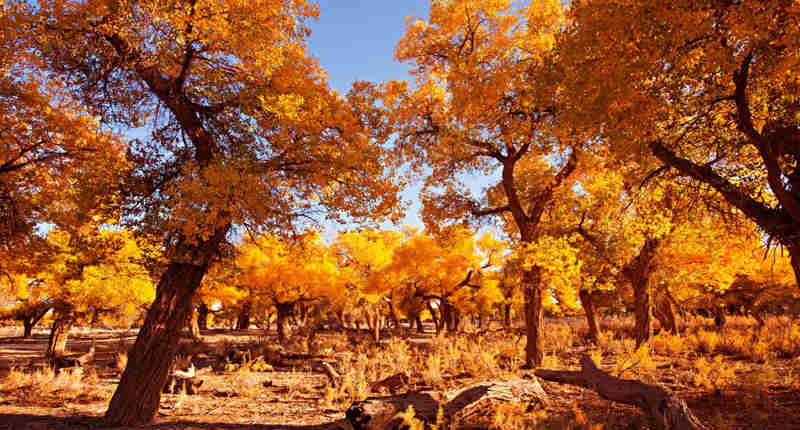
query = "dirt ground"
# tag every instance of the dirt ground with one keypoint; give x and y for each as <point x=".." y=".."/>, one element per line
<point x="759" y="396"/>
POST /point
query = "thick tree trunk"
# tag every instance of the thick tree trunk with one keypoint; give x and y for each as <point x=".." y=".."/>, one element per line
<point x="591" y="317"/>
<point x="202" y="316"/>
<point x="138" y="394"/>
<point x="59" y="332"/>
<point x="666" y="411"/>
<point x="420" y="327"/>
<point x="534" y="350"/>
<point x="243" y="320"/>
<point x="507" y="315"/>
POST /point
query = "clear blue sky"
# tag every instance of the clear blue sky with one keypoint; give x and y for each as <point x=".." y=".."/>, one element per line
<point x="354" y="41"/>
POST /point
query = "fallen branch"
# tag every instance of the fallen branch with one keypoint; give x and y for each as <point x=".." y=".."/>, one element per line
<point x="380" y="413"/>
<point x="667" y="411"/>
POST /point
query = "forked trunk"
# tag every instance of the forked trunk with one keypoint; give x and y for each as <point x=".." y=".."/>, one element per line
<point x="534" y="352"/>
<point x="591" y="317"/>
<point x="59" y="333"/>
<point x="139" y="391"/>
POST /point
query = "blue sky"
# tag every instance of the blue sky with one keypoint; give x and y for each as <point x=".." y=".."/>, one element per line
<point x="354" y="40"/>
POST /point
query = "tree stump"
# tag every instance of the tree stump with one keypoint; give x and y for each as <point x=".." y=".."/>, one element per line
<point x="380" y="413"/>
<point x="666" y="411"/>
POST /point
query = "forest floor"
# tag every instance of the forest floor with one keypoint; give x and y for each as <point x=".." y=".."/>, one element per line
<point x="740" y="377"/>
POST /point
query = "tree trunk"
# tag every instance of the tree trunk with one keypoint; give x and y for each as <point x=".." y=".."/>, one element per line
<point x="284" y="310"/>
<point x="507" y="315"/>
<point x="665" y="314"/>
<point x="202" y="316"/>
<point x="420" y="327"/>
<point x="642" y="309"/>
<point x="138" y="394"/>
<point x="436" y="322"/>
<point x="27" y="325"/>
<point x="534" y="352"/>
<point x="59" y="332"/>
<point x="194" y="327"/>
<point x="719" y="316"/>
<point x="591" y="317"/>
<point x="243" y="320"/>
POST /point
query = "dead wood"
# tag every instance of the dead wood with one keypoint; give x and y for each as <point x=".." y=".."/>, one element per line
<point x="380" y="413"/>
<point x="59" y="363"/>
<point x="666" y="411"/>
<point x="176" y="384"/>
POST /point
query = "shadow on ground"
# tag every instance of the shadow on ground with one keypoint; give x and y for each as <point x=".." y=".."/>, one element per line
<point x="42" y="422"/>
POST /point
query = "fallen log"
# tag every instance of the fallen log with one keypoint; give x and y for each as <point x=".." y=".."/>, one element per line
<point x="380" y="413"/>
<point x="59" y="363"/>
<point x="666" y="411"/>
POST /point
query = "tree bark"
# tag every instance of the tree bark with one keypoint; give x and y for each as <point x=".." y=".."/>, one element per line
<point x="243" y="320"/>
<point x="591" y="317"/>
<point x="138" y="394"/>
<point x="420" y="327"/>
<point x="380" y="413"/>
<point x="59" y="332"/>
<point x="665" y="313"/>
<point x="507" y="315"/>
<point x="202" y="316"/>
<point x="666" y="411"/>
<point x="534" y="313"/>
<point x="194" y="326"/>
<point x="284" y="310"/>
<point x="642" y="309"/>
<point x="27" y="326"/>
<point x="436" y="322"/>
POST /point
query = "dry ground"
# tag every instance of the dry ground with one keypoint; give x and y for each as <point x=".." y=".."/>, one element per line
<point x="739" y="378"/>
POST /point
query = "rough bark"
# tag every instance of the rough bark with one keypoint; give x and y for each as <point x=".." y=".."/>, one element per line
<point x="665" y="313"/>
<point x="591" y="317"/>
<point x="666" y="411"/>
<point x="642" y="312"/>
<point x="202" y="316"/>
<point x="719" y="316"/>
<point x="59" y="332"/>
<point x="138" y="394"/>
<point x="284" y="311"/>
<point x="534" y="313"/>
<point x="380" y="413"/>
<point x="194" y="327"/>
<point x="243" y="320"/>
